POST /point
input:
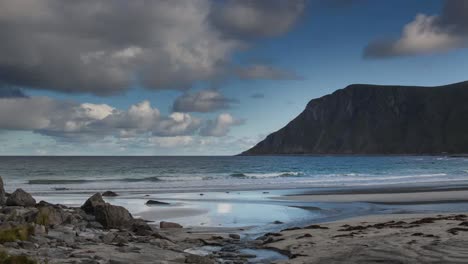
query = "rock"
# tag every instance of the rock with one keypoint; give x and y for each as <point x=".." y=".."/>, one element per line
<point x="93" y="201"/>
<point x="162" y="243"/>
<point x="108" y="238"/>
<point x="27" y="245"/>
<point x="154" y="202"/>
<point x="39" y="230"/>
<point x="198" y="259"/>
<point x="67" y="237"/>
<point x="234" y="236"/>
<point x="49" y="215"/>
<point x="164" y="224"/>
<point x="277" y="222"/>
<point x="141" y="228"/>
<point x="113" y="216"/>
<point x="2" y="193"/>
<point x="109" y="194"/>
<point x="20" y="198"/>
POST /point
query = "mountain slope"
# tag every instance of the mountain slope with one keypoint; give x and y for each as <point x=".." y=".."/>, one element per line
<point x="372" y="119"/>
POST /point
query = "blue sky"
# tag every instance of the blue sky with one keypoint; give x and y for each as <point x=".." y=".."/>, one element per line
<point x="285" y="54"/>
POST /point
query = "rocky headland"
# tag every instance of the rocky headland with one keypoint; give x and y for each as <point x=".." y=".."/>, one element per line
<point x="377" y="119"/>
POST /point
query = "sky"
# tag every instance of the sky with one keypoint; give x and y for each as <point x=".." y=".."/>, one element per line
<point x="203" y="77"/>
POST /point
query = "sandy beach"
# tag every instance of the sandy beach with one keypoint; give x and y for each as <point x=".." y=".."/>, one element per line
<point x="393" y="225"/>
<point x="428" y="238"/>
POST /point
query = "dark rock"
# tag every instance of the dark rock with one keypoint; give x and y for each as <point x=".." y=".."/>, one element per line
<point x="90" y="205"/>
<point x="113" y="216"/>
<point x="371" y="119"/>
<point x="20" y="198"/>
<point x="277" y="222"/>
<point x="141" y="228"/>
<point x="154" y="202"/>
<point x="198" y="259"/>
<point x="109" y="194"/>
<point x="164" y="224"/>
<point x="2" y="193"/>
<point x="234" y="236"/>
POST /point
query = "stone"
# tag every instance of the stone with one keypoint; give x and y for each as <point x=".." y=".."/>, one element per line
<point x="234" y="236"/>
<point x="164" y="224"/>
<point x="109" y="194"/>
<point x="2" y="193"/>
<point x="108" y="238"/>
<point x="198" y="259"/>
<point x="20" y="198"/>
<point x="141" y="228"/>
<point x="27" y="245"/>
<point x="39" y="230"/>
<point x="154" y="202"/>
<point x="49" y="215"/>
<point x="93" y="201"/>
<point x="113" y="216"/>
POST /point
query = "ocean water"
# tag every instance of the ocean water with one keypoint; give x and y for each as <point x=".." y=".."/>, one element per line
<point x="234" y="191"/>
<point x="176" y="174"/>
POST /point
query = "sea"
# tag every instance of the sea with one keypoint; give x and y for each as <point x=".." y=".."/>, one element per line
<point x="234" y="191"/>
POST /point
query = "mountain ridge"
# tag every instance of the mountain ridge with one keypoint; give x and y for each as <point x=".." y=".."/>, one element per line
<point x="377" y="119"/>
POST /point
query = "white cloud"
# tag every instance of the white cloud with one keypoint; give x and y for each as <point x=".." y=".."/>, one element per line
<point x="427" y="34"/>
<point x="220" y="126"/>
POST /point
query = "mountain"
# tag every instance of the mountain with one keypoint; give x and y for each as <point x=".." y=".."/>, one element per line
<point x="376" y="119"/>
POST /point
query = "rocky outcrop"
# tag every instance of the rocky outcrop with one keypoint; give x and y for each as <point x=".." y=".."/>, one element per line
<point x="20" y="198"/>
<point x="371" y="119"/>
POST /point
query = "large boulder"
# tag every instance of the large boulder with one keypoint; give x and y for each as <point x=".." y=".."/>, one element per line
<point x="164" y="224"/>
<point x="20" y="198"/>
<point x="90" y="205"/>
<point x="2" y="192"/>
<point x="49" y="214"/>
<point x="113" y="216"/>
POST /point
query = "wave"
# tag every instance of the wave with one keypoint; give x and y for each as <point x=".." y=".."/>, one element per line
<point x="264" y="175"/>
<point x="63" y="181"/>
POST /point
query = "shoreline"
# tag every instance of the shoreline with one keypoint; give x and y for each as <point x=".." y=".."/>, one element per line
<point x="417" y="197"/>
<point x="319" y="221"/>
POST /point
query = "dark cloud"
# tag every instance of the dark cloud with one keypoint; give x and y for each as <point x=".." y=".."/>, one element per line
<point x="103" y="47"/>
<point x="265" y="72"/>
<point x="202" y="101"/>
<point x="427" y="34"/>
<point x="256" y="18"/>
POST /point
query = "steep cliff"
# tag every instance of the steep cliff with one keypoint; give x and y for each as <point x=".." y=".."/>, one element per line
<point x="372" y="119"/>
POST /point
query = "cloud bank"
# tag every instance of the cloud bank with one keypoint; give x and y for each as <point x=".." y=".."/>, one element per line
<point x="104" y="47"/>
<point x="70" y="121"/>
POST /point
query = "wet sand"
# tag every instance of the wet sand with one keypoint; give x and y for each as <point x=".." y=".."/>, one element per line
<point x="386" y="198"/>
